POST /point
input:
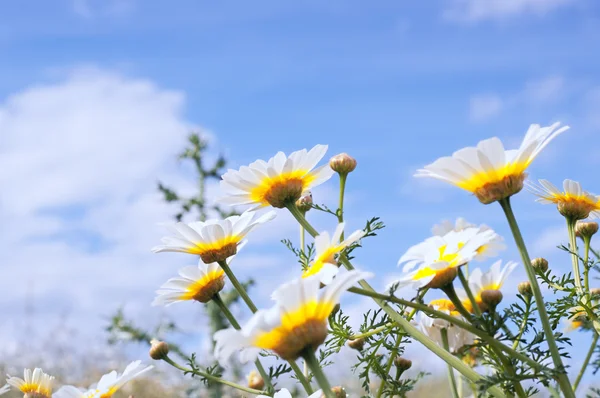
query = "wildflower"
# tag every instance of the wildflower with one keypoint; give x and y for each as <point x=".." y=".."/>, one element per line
<point x="573" y="202"/>
<point x="357" y="344"/>
<point x="326" y="248"/>
<point x="402" y="363"/>
<point x="304" y="204"/>
<point x="284" y="393"/>
<point x="108" y="385"/>
<point x="279" y="182"/>
<point x="199" y="283"/>
<point x="213" y="240"/>
<point x="34" y="384"/>
<point x="492" y="249"/>
<point x="486" y="286"/>
<point x="438" y="257"/>
<point x="298" y="321"/>
<point x="342" y="163"/>
<point x="577" y="318"/>
<point x="457" y="337"/>
<point x="540" y="265"/>
<point x="255" y="381"/>
<point x="586" y="229"/>
<point x="158" y="350"/>
<point x="489" y="171"/>
<point x="525" y="289"/>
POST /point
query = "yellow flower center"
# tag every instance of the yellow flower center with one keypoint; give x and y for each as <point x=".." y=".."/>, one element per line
<point x="277" y="191"/>
<point x="451" y="258"/>
<point x="34" y="388"/>
<point x="479" y="180"/>
<point x="328" y="256"/>
<point x="203" y="289"/>
<point x="306" y="326"/>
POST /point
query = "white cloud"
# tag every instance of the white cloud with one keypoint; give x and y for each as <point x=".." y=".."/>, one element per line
<point x="479" y="10"/>
<point x="484" y="107"/>
<point x="547" y="89"/>
<point x="548" y="240"/>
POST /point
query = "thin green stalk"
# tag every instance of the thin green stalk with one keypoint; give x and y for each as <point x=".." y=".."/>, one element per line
<point x="340" y="212"/>
<point x="389" y="364"/>
<point x="372" y="331"/>
<point x="238" y="286"/>
<point x="451" y="293"/>
<point x="524" y="322"/>
<point x="231" y="318"/>
<point x="454" y="320"/>
<point x="451" y="378"/>
<point x="574" y="255"/>
<point x="211" y="377"/>
<point x="563" y="380"/>
<point x="401" y="321"/>
<point x="585" y="362"/>
<point x="465" y="284"/>
<point x="317" y="371"/>
<point x="586" y="258"/>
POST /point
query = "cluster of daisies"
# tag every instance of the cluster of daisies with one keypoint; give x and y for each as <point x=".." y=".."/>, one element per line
<point x="297" y="321"/>
<point x="37" y="384"/>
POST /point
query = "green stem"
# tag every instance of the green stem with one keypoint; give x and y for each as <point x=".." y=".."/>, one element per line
<point x="451" y="378"/>
<point x="315" y="367"/>
<point x="451" y="293"/>
<point x="563" y="380"/>
<point x="238" y="286"/>
<point x="454" y="320"/>
<point x="231" y="318"/>
<point x="372" y="331"/>
<point x="405" y="324"/>
<point x="586" y="258"/>
<point x="585" y="362"/>
<point x="211" y="377"/>
<point x="389" y="364"/>
<point x="574" y="255"/>
<point x="340" y="212"/>
<point x="523" y="323"/>
<point x="465" y="284"/>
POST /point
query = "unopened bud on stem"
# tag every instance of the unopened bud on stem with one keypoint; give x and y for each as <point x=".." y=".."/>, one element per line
<point x="586" y="229"/>
<point x="491" y="298"/>
<point x="159" y="350"/>
<point x="402" y="363"/>
<point x="255" y="381"/>
<point x="540" y="265"/>
<point x="305" y="202"/>
<point x="525" y="289"/>
<point x="357" y="344"/>
<point x="342" y="163"/>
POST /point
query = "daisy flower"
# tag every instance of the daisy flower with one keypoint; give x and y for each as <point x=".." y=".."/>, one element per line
<point x="213" y="240"/>
<point x="577" y="319"/>
<point x="481" y="284"/>
<point x="489" y="171"/>
<point x="198" y="283"/>
<point x="297" y="321"/>
<point x="492" y="249"/>
<point x="108" y="385"/>
<point x="573" y="202"/>
<point x="437" y="258"/>
<point x="279" y="182"/>
<point x="284" y="393"/>
<point x="457" y="337"/>
<point x="326" y="248"/>
<point x="34" y="383"/>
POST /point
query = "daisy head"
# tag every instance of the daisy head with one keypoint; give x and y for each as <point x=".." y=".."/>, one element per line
<point x="491" y="249"/>
<point x="572" y="202"/>
<point x="278" y="182"/>
<point x="297" y="321"/>
<point x="433" y="328"/>
<point x="213" y="240"/>
<point x="326" y="249"/>
<point x="489" y="171"/>
<point x="444" y="305"/>
<point x="199" y="283"/>
<point x="486" y="286"/>
<point x="578" y="319"/>
<point x="434" y="262"/>
<point x="112" y="382"/>
<point x="34" y="384"/>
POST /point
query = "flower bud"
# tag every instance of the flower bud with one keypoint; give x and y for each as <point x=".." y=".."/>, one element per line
<point x="595" y="292"/>
<point x="402" y="363"/>
<point x="159" y="350"/>
<point x="586" y="229"/>
<point x="338" y="391"/>
<point x="540" y="265"/>
<point x="305" y="202"/>
<point x="525" y="289"/>
<point x="357" y="344"/>
<point x="255" y="381"/>
<point x="491" y="298"/>
<point x="342" y="163"/>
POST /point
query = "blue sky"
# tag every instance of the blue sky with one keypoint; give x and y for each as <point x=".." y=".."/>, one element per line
<point x="96" y="98"/>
